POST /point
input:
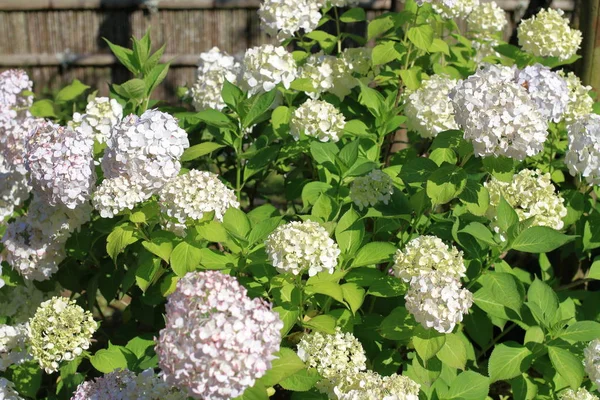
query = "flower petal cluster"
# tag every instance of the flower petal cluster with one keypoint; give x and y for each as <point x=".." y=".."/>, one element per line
<point x="266" y="66"/>
<point x="13" y="345"/>
<point x="548" y="34"/>
<point x="14" y="188"/>
<point x="59" y="331"/>
<point x="438" y="302"/>
<point x="532" y="195"/>
<point x="318" y="119"/>
<point x="425" y="254"/>
<point x="498" y="115"/>
<point x="101" y="115"/>
<point x="7" y="390"/>
<point x="579" y="394"/>
<point x="190" y="196"/>
<point x="454" y="8"/>
<point x="583" y="154"/>
<point x="369" y="385"/>
<point x="114" y="195"/>
<point x="580" y="102"/>
<point x="144" y="152"/>
<point x="13" y="83"/>
<point x="214" y="66"/>
<point x="591" y="361"/>
<point x="282" y="18"/>
<point x="217" y="341"/>
<point x="61" y="165"/>
<point x="548" y="90"/>
<point x="19" y="303"/>
<point x="487" y="17"/>
<point x="429" y="109"/>
<point x="126" y="385"/>
<point x="368" y="190"/>
<point x="297" y="247"/>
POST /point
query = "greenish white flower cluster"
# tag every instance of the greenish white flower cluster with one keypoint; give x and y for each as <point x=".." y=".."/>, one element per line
<point x="283" y="18"/>
<point x="487" y="17"/>
<point x="548" y="34"/>
<point x="19" y="303"/>
<point x="298" y="247"/>
<point x="532" y="195"/>
<point x="371" y="189"/>
<point x="369" y="385"/>
<point x="579" y="394"/>
<point x="591" y="361"/>
<point x="59" y="331"/>
<point x="13" y="345"/>
<point x="7" y="390"/>
<point x="580" y="102"/>
<point x="454" y="8"/>
<point x="318" y="119"/>
<point x="266" y="66"/>
<point x="583" y="153"/>
<point x="429" y="109"/>
<point x="101" y="115"/>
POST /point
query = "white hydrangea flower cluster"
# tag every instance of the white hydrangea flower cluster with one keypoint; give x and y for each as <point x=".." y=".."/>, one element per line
<point x="117" y="194"/>
<point x="487" y="17"/>
<point x="531" y="194"/>
<point x="13" y="83"/>
<point x="580" y="102"/>
<point x="343" y="3"/>
<point x="7" y="390"/>
<point x="370" y="189"/>
<point x="429" y="109"/>
<point x="548" y="90"/>
<point x="61" y="165"/>
<point x="282" y="18"/>
<point x="318" y="119"/>
<point x="591" y="361"/>
<point x="20" y="302"/>
<point x="454" y="8"/>
<point x="59" y="331"/>
<point x="217" y="341"/>
<point x="126" y="385"/>
<point x="13" y="345"/>
<point x="190" y="196"/>
<point x="580" y="394"/>
<point x="583" y="153"/>
<point x="214" y="66"/>
<point x="297" y="247"/>
<point x="498" y="115"/>
<point x="101" y="115"/>
<point x="14" y="188"/>
<point x="266" y="66"/>
<point x="369" y="385"/>
<point x="548" y="34"/>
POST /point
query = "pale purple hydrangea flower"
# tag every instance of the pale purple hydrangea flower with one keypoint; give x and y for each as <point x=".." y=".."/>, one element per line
<point x="547" y="89"/>
<point x="13" y="83"/>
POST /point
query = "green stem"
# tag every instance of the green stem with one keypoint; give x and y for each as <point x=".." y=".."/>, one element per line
<point x="338" y="30"/>
<point x="496" y="339"/>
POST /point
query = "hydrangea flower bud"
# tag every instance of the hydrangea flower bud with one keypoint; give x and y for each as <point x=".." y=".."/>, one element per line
<point x="7" y="391"/>
<point x="214" y="66"/>
<point x="297" y="247"/>
<point x="59" y="331"/>
<point x="101" y="115"/>
<point x="580" y="394"/>
<point x="548" y="34"/>
<point x="547" y="89"/>
<point x="188" y="197"/>
<point x="266" y="66"/>
<point x="373" y="188"/>
<point x="283" y="18"/>
<point x="369" y="385"/>
<point x="145" y="150"/>
<point x="531" y="194"/>
<point x="13" y="347"/>
<point x="61" y="165"/>
<point x="13" y="83"/>
<point x="580" y="102"/>
<point x="591" y="361"/>
<point x="318" y="119"/>
<point x="487" y="17"/>
<point x="438" y="302"/>
<point x="217" y="341"/>
<point x="583" y="154"/>
<point x="425" y="254"/>
<point x="429" y="109"/>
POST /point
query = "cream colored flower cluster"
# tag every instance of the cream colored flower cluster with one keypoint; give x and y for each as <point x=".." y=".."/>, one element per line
<point x="19" y="303"/>
<point x="579" y="394"/>
<point x="369" y="385"/>
<point x="59" y="331"/>
<point x="548" y="34"/>
<point x="283" y="18"/>
<point x="580" y="102"/>
<point x="318" y="119"/>
<point x="487" y="17"/>
<point x="266" y="66"/>
<point x="371" y="189"/>
<point x="591" y="361"/>
<point x="101" y="115"/>
<point x="299" y="247"/>
<point x="454" y="8"/>
<point x="583" y="153"/>
<point x="13" y="345"/>
<point x="532" y="195"/>
<point x="7" y="390"/>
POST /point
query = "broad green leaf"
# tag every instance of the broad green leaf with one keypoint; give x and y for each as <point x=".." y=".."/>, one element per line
<point x="353" y="15"/>
<point x="125" y="56"/>
<point x="374" y="253"/>
<point x="236" y="222"/>
<point x="428" y="342"/>
<point x="43" y="109"/>
<point x="399" y="325"/>
<point x="147" y="270"/>
<point x="421" y="36"/>
<point x="200" y="150"/>
<point x="161" y="247"/>
<point x="476" y="197"/>
<point x="354" y="295"/>
<point x="480" y="232"/>
<point x="446" y="183"/>
<point x="567" y="365"/>
<point x="216" y="260"/>
<point x="141" y="347"/>
<point x="321" y="323"/>
<point x="379" y="26"/>
<point x="508" y="360"/>
<point x="439" y="46"/>
<point x="27" y="378"/>
<point x="115" y="357"/>
<point x="231" y="94"/>
<point x="349" y="153"/>
<point x="540" y="239"/>
<point x="71" y="92"/>
<point x="501" y="295"/>
<point x="262" y="230"/>
<point x="285" y="365"/>
<point x="331" y="289"/>
<point x="323" y="152"/>
<point x="371" y="99"/>
<point x="185" y="258"/>
<point x="387" y="51"/>
<point x="215" y="118"/>
<point x="454" y="352"/>
<point x="133" y="89"/>
<point x="417" y="170"/>
<point x="388" y="286"/>
<point x="312" y="190"/>
<point x="411" y="77"/>
<point x="581" y="331"/>
<point x="506" y="215"/>
<point x="350" y="231"/>
<point x="121" y="237"/>
<point x="546" y="301"/>
<point x="256" y="392"/>
<point x="469" y="385"/>
<point x="501" y="168"/>
<point x="289" y="317"/>
<point x="301" y="381"/>
<point x="155" y="76"/>
<point x="256" y="107"/>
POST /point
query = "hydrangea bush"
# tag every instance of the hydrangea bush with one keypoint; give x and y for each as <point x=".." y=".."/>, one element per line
<point x="406" y="214"/>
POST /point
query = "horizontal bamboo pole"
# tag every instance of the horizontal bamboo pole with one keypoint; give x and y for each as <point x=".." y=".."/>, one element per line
<point x="83" y="60"/>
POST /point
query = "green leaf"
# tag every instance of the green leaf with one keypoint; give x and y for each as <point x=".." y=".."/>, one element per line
<point x="469" y="385"/>
<point x="288" y="317"/>
<point x="256" y="392"/>
<point x="147" y="270"/>
<point x="141" y="347"/>
<point x="379" y="26"/>
<point x="280" y="118"/>
<point x="354" y="296"/>
<point x="388" y="286"/>
<point x="353" y="15"/>
<point x="214" y="118"/>
<point x="324" y="208"/>
<point x="454" y="352"/>
<point x="285" y="365"/>
<point x="161" y="247"/>
<point x="256" y="107"/>
<point x="411" y="77"/>
<point x="213" y="231"/>
<point x="374" y="253"/>
<point x="71" y="92"/>
<point x="480" y="232"/>
<point x="399" y="325"/>
<point x="371" y="99"/>
<point x="236" y="222"/>
<point x="155" y="76"/>
<point x="387" y="51"/>
<point x="446" y="183"/>
<point x="428" y="342"/>
<point x="581" y="331"/>
<point x="421" y="36"/>
<point x="323" y="152"/>
<point x="199" y="150"/>
<point x="325" y="40"/>
<point x="439" y="46"/>
<point x="349" y="153"/>
<point x="133" y="89"/>
<point x="43" y="109"/>
<point x="301" y="381"/>
<point x="567" y="365"/>
<point x="185" y="258"/>
<point x="540" y="239"/>
<point x="262" y="230"/>
<point x="125" y="56"/>
<point x="27" y="378"/>
<point x="215" y="260"/>
<point x="350" y="231"/>
<point x="231" y="95"/>
<point x="121" y="237"/>
<point x="500" y="295"/>
<point x="417" y="170"/>
<point x="500" y="167"/>
<point x="321" y="323"/>
<point x="507" y="217"/>
<point x="545" y="301"/>
<point x="331" y="289"/>
<point x="115" y="357"/>
<point x="508" y="360"/>
<point x="476" y="197"/>
<point x="312" y="190"/>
